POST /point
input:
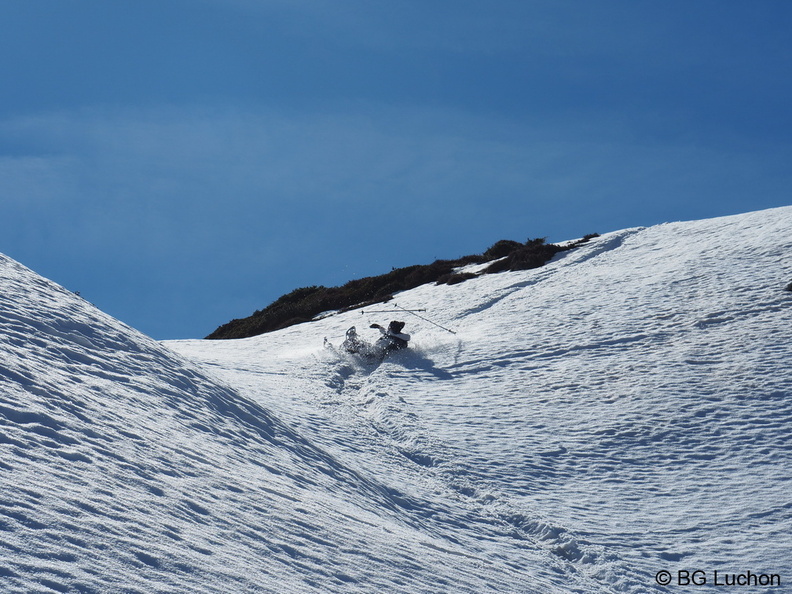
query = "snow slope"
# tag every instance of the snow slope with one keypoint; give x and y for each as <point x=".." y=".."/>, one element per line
<point x="621" y="411"/>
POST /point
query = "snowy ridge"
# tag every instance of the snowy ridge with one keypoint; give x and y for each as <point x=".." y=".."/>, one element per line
<point x="623" y="410"/>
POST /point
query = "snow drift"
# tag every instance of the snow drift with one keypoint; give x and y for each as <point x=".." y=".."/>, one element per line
<point x="624" y="410"/>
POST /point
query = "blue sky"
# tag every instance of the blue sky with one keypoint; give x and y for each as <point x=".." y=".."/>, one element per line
<point x="184" y="162"/>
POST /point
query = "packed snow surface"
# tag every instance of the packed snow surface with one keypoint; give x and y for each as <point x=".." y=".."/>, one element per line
<point x="624" y="410"/>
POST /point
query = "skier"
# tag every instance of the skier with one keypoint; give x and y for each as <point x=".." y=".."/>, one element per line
<point x="392" y="339"/>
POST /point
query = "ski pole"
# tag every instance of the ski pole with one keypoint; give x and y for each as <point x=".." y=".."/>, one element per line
<point x="423" y="318"/>
<point x="412" y="311"/>
<point x="365" y="311"/>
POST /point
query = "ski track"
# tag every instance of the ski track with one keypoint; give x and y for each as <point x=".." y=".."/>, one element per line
<point x="623" y="410"/>
<point x="350" y="413"/>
